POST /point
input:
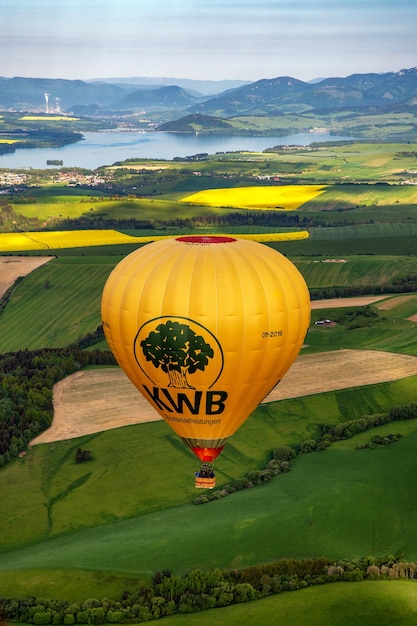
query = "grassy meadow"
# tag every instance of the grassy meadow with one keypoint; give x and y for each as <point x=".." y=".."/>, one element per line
<point x="390" y="333"/>
<point x="400" y="124"/>
<point x="56" y="307"/>
<point x="357" y="270"/>
<point x="333" y="163"/>
<point x="375" y="604"/>
<point x="341" y="502"/>
<point x="95" y="529"/>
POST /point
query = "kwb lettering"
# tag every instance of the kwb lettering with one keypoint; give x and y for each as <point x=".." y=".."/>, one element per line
<point x="212" y="401"/>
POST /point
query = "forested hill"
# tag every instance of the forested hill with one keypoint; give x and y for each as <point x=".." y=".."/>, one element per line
<point x="45" y="94"/>
<point x="21" y="93"/>
<point x="194" y="123"/>
<point x="169" y="97"/>
<point x="286" y="94"/>
<point x="273" y="96"/>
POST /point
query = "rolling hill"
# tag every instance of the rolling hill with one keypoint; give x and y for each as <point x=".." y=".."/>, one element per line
<point x="167" y="97"/>
<point x="281" y="95"/>
<point x="272" y="96"/>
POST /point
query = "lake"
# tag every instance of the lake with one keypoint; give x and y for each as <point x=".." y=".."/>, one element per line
<point x="107" y="147"/>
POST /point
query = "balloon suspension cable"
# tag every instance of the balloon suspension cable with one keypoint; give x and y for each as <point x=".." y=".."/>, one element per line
<point x="205" y="477"/>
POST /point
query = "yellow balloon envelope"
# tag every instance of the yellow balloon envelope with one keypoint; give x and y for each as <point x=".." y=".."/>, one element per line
<point x="205" y="327"/>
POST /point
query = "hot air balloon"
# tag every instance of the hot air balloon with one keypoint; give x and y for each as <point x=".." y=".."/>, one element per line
<point x="205" y="327"/>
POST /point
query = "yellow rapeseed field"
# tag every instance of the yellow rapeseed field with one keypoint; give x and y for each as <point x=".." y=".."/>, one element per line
<point x="15" y="242"/>
<point x="49" y="118"/>
<point x="264" y="237"/>
<point x="19" y="242"/>
<point x="269" y="198"/>
<point x="9" y="140"/>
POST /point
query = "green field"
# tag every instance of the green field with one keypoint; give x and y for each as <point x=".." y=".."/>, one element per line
<point x="355" y="162"/>
<point x="366" y="231"/>
<point x="391" y="334"/>
<point x="71" y="511"/>
<point x="60" y="302"/>
<point x="73" y="531"/>
<point x="357" y="270"/>
<point x="57" y="305"/>
<point x="382" y="603"/>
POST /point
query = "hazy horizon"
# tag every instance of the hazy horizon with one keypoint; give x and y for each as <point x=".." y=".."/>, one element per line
<point x="201" y="40"/>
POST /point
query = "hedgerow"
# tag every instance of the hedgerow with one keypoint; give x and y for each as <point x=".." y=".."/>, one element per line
<point x="201" y="590"/>
<point x="280" y="462"/>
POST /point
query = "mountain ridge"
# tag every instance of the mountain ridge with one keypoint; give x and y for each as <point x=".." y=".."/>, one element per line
<point x="270" y="97"/>
<point x="277" y="95"/>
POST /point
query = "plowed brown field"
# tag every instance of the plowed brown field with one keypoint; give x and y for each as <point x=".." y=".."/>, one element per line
<point x="335" y="303"/>
<point x="11" y="267"/>
<point x="91" y="401"/>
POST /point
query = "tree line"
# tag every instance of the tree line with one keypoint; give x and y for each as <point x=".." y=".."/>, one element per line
<point x="95" y="220"/>
<point x="27" y="378"/>
<point x="402" y="284"/>
<point x="11" y="221"/>
<point x="270" y="219"/>
<point x="168" y="594"/>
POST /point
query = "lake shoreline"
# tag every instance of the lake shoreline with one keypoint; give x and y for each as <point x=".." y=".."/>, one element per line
<point x="101" y="148"/>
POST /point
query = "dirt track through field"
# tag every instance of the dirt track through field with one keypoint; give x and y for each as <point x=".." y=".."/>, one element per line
<point x="392" y="302"/>
<point x="91" y="401"/>
<point x="11" y="267"/>
<point x="336" y="303"/>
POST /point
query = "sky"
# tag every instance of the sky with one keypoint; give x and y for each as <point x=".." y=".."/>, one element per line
<point x="206" y="39"/>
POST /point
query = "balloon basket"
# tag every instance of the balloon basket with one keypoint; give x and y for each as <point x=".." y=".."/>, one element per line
<point x="205" y="483"/>
<point x="205" y="478"/>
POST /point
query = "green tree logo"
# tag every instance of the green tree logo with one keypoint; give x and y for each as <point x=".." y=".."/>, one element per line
<point x="177" y="350"/>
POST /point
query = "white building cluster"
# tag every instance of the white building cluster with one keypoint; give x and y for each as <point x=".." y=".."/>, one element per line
<point x="12" y="178"/>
